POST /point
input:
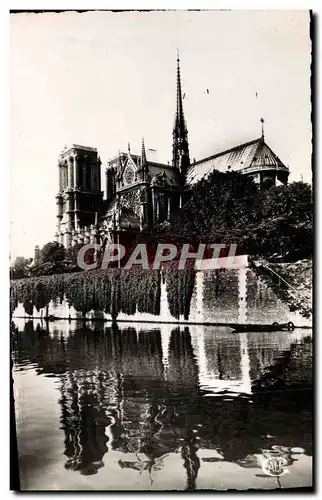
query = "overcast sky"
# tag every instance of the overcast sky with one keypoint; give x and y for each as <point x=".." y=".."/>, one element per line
<point x="104" y="79"/>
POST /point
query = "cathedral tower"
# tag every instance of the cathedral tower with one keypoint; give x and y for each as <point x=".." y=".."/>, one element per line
<point x="180" y="149"/>
<point x="80" y="196"/>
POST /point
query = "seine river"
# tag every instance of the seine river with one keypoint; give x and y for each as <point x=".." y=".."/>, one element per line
<point x="146" y="407"/>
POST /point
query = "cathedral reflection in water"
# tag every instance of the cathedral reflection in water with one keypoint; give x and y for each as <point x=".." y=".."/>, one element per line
<point x="151" y="392"/>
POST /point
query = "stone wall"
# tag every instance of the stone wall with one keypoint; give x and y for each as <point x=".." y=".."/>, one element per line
<point x="220" y="296"/>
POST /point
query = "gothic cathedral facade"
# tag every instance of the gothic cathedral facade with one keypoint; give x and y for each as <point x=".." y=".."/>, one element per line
<point x="140" y="193"/>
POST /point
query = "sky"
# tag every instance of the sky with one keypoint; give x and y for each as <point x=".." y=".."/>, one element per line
<point x="104" y="80"/>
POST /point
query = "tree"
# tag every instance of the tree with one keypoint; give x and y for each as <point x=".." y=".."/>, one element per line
<point x="53" y="260"/>
<point x="218" y="211"/>
<point x="20" y="268"/>
<point x="52" y="252"/>
<point x="229" y="208"/>
<point x="286" y="221"/>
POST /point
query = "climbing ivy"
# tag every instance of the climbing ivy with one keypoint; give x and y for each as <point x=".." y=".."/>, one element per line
<point x="180" y="285"/>
<point x="112" y="291"/>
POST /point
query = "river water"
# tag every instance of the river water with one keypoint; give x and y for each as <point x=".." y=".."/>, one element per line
<point x="146" y="407"/>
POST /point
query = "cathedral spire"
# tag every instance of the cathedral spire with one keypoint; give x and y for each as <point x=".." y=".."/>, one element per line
<point x="180" y="149"/>
<point x="143" y="153"/>
<point x="179" y="112"/>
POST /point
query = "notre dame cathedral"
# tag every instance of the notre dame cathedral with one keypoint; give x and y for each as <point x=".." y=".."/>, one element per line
<point x="140" y="193"/>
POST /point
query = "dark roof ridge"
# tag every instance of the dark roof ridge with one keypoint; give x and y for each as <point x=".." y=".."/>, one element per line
<point x="156" y="164"/>
<point x="228" y="151"/>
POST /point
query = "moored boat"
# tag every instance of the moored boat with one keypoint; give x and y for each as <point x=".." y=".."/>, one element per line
<point x="275" y="327"/>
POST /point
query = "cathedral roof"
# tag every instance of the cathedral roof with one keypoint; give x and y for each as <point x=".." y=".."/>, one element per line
<point x="77" y="147"/>
<point x="250" y="157"/>
<point x="169" y="172"/>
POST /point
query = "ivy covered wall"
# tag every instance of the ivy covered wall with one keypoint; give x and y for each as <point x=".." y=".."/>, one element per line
<point x="206" y="296"/>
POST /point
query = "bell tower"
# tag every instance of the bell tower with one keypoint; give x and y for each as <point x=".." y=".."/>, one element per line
<point x="79" y="197"/>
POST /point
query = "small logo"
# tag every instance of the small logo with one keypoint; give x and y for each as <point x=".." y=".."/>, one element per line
<point x="275" y="466"/>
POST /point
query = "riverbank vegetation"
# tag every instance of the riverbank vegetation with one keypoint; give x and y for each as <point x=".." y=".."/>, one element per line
<point x="291" y="282"/>
<point x="111" y="291"/>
